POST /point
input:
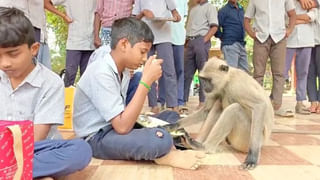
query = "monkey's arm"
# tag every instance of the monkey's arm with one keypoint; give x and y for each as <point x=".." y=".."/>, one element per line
<point x="198" y="116"/>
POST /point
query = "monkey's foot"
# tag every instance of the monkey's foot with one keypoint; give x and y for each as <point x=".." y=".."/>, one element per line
<point x="250" y="162"/>
<point x="187" y="159"/>
<point x="248" y="165"/>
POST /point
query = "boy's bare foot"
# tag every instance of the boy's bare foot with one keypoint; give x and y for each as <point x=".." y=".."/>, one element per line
<point x="187" y="159"/>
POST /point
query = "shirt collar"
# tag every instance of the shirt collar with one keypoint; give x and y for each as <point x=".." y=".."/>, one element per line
<point x="113" y="66"/>
<point x="33" y="78"/>
<point x="232" y="6"/>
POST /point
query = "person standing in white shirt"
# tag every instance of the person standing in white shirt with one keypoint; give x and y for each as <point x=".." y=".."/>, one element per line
<point x="300" y="44"/>
<point x="80" y="42"/>
<point x="314" y="68"/>
<point x="269" y="34"/>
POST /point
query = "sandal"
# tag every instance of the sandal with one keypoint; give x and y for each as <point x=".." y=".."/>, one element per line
<point x="318" y="109"/>
<point x="284" y="112"/>
<point x="314" y="107"/>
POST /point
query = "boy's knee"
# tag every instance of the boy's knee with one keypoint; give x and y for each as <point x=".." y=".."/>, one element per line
<point x="163" y="144"/>
<point x="82" y="153"/>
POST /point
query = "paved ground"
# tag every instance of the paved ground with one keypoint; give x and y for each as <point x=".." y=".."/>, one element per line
<point x="286" y="156"/>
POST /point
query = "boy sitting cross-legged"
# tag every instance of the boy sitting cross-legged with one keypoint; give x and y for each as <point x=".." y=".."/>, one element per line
<point x="30" y="91"/>
<point x="101" y="115"/>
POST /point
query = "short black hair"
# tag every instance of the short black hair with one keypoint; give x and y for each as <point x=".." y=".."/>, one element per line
<point x="132" y="29"/>
<point x="15" y="28"/>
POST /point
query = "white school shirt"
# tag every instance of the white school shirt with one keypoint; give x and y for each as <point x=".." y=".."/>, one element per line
<point x="40" y="97"/>
<point x="160" y="8"/>
<point x="80" y="31"/>
<point x="100" y="96"/>
<point x="178" y="28"/>
<point x="302" y="34"/>
<point x="269" y="18"/>
<point x="316" y="27"/>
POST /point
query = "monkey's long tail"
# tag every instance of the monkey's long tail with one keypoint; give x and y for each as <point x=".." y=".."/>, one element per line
<point x="295" y="131"/>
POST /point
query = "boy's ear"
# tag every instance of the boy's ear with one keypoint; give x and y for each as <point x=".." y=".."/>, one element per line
<point x="123" y="44"/>
<point x="35" y="48"/>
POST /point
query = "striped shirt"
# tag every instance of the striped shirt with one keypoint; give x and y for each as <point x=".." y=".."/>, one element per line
<point x="39" y="97"/>
<point x="111" y="10"/>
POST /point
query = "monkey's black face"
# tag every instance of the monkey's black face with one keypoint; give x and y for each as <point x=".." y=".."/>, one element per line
<point x="207" y="85"/>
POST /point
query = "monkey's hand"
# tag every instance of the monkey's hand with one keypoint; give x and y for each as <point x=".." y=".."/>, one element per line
<point x="190" y="142"/>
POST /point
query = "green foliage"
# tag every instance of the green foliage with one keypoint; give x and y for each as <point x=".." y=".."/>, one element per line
<point x="60" y="29"/>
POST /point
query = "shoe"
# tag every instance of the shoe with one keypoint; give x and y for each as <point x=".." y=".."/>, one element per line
<point x="284" y="112"/>
<point x="155" y="109"/>
<point x="302" y="109"/>
<point x="183" y="111"/>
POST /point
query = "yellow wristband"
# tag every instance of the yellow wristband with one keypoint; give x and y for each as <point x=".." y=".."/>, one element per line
<point x="145" y="85"/>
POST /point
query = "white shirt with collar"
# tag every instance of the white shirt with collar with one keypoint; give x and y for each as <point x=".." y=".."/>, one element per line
<point x="302" y="34"/>
<point x="316" y="27"/>
<point x="19" y="4"/>
<point x="36" y="12"/>
<point x="33" y="9"/>
<point x="80" y="31"/>
<point x="39" y="97"/>
<point x="269" y="18"/>
<point x="100" y="96"/>
<point x="160" y="8"/>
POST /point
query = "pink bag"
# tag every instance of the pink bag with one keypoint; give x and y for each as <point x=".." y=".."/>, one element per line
<point x="16" y="150"/>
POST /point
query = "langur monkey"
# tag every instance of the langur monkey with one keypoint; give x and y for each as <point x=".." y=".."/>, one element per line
<point x="236" y="109"/>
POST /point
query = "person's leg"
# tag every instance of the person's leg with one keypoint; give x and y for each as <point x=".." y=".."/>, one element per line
<point x="44" y="55"/>
<point x="133" y="85"/>
<point x="178" y="55"/>
<point x="312" y="82"/>
<point x="162" y="96"/>
<point x="260" y="57"/>
<point x="152" y="95"/>
<point x="73" y="58"/>
<point x="189" y="69"/>
<point x="138" y="144"/>
<point x="142" y="144"/>
<point x="302" y="66"/>
<point x="231" y="54"/>
<point x="85" y="56"/>
<point x="202" y="55"/>
<point x="277" y="58"/>
<point x="168" y="81"/>
<point x="290" y="53"/>
<point x="243" y="59"/>
<point x="317" y="59"/>
<point x="55" y="158"/>
<point x="37" y="34"/>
